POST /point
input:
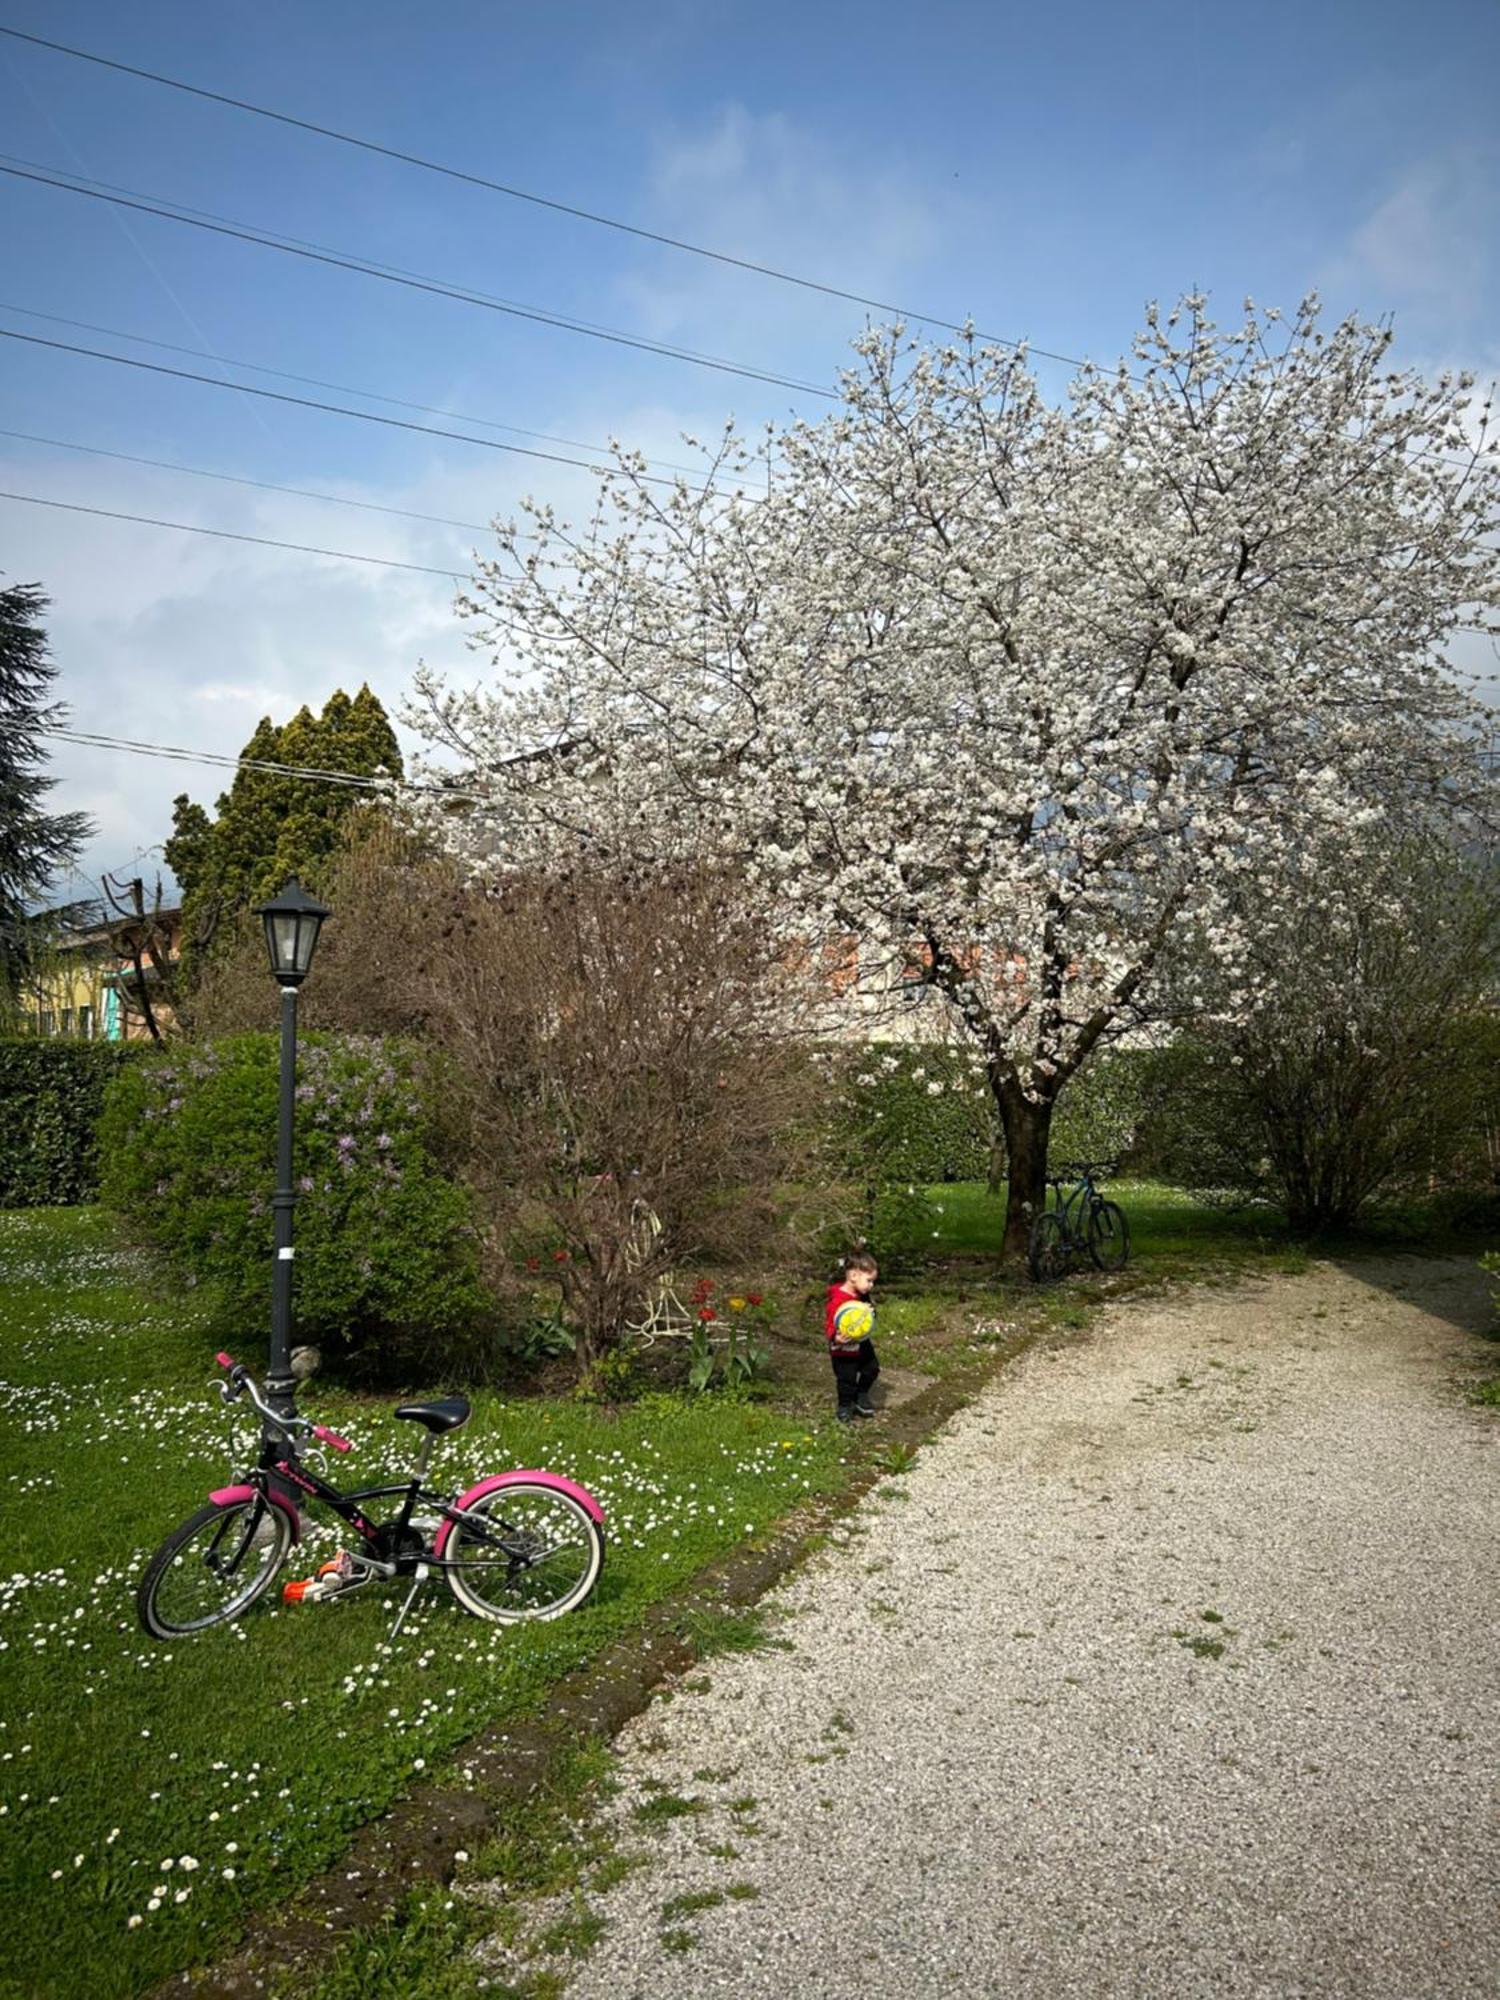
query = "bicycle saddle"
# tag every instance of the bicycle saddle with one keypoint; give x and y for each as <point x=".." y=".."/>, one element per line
<point x="448" y="1413"/>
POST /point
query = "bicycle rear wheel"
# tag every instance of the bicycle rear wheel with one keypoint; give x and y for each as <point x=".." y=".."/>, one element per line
<point x="1049" y="1252"/>
<point x="524" y="1552"/>
<point x="213" y="1567"/>
<point x="1108" y="1236"/>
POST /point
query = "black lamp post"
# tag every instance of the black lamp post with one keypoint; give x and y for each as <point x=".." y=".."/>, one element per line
<point x="292" y="922"/>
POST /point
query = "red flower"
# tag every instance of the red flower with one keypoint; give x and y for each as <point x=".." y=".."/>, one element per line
<point x="704" y="1289"/>
<point x="533" y="1263"/>
<point x="707" y="1314"/>
<point x="755" y="1298"/>
<point x="560" y="1257"/>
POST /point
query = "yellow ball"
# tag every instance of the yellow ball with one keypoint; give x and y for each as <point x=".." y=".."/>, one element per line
<point x="855" y="1321"/>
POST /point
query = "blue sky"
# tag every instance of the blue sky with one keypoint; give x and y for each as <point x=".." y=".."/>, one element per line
<point x="1044" y="170"/>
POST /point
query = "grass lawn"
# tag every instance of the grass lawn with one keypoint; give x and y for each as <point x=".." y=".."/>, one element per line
<point x="1171" y="1231"/>
<point x="151" y="1795"/>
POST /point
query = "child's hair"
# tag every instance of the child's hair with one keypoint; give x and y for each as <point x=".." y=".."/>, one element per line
<point x="854" y="1260"/>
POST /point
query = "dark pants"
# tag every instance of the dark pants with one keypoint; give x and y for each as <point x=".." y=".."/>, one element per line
<point x="854" y="1373"/>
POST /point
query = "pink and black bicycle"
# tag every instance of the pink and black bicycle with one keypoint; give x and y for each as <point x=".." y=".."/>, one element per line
<point x="515" y="1546"/>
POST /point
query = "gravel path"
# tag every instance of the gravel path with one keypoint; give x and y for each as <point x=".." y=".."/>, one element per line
<point x="1170" y="1668"/>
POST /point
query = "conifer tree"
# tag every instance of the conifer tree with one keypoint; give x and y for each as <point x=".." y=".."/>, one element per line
<point x="35" y="845"/>
<point x="270" y="825"/>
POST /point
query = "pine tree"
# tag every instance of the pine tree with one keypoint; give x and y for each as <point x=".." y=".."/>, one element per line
<point x="34" y="844"/>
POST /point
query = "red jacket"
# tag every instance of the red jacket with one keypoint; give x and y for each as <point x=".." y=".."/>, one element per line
<point x="840" y="1295"/>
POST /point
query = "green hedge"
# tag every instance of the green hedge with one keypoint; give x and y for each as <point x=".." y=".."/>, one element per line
<point x="924" y="1115"/>
<point x="1103" y="1113"/>
<point x="914" y="1115"/>
<point x="51" y="1095"/>
<point x="387" y="1252"/>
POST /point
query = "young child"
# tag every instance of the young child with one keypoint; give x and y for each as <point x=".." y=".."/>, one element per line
<point x="849" y="1322"/>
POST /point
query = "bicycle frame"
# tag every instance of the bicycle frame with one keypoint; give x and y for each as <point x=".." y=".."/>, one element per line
<point x="279" y="1468"/>
<point x="1078" y="1219"/>
<point x="348" y="1505"/>
<point x="1070" y="1206"/>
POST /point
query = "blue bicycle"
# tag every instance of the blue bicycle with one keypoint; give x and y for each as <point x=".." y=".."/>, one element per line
<point x="1079" y="1222"/>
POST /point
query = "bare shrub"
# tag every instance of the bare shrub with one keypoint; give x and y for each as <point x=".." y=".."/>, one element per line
<point x="1368" y="1072"/>
<point x="623" y="1045"/>
<point x="614" y="1046"/>
<point x="386" y="893"/>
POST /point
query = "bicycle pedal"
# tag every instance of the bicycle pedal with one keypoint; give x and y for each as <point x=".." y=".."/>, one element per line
<point x="308" y="1591"/>
<point x="331" y="1578"/>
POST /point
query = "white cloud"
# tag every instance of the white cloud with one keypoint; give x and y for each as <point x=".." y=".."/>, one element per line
<point x="1427" y="248"/>
<point x="174" y="639"/>
<point x="267" y="700"/>
<point x="759" y="187"/>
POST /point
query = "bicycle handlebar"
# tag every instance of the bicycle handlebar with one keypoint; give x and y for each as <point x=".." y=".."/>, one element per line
<point x="240" y="1383"/>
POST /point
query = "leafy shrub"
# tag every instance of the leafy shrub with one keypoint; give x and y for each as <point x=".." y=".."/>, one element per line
<point x="387" y="1259"/>
<point x="1198" y="1130"/>
<point x="51" y="1096"/>
<point x="1350" y="1059"/>
<point x="1328" y="1130"/>
<point x="908" y="1117"/>
<point x="1490" y="1262"/>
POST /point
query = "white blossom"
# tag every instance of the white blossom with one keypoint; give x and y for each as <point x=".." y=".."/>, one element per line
<point x="1035" y="689"/>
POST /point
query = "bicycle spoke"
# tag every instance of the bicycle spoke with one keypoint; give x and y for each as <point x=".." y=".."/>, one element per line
<point x="213" y="1568"/>
<point x="537" y="1560"/>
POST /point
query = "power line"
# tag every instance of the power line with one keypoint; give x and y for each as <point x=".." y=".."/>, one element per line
<point x="570" y="209"/>
<point x="317" y="382"/>
<point x="413" y="281"/>
<point x="90" y="739"/>
<point x="228" y="535"/>
<point x="311" y="403"/>
<point x="372" y="416"/>
<point x="310" y="773"/>
<point x="522" y="194"/>
<point x="238" y="479"/>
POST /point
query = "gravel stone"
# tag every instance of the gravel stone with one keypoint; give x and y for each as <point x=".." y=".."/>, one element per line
<point x="1169" y="1668"/>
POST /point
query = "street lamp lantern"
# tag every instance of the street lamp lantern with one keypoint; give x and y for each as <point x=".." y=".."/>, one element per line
<point x="292" y="920"/>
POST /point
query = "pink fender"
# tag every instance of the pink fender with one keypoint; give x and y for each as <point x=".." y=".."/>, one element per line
<point x="227" y="1495"/>
<point x="493" y="1484"/>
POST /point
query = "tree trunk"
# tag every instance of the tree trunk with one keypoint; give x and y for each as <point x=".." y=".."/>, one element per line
<point x="997" y="1160"/>
<point x="1027" y="1126"/>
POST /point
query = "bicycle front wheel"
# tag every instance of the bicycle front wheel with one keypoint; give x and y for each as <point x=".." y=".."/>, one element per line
<point x="213" y="1568"/>
<point x="1108" y="1236"/>
<point x="1049" y="1253"/>
<point x="524" y="1552"/>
